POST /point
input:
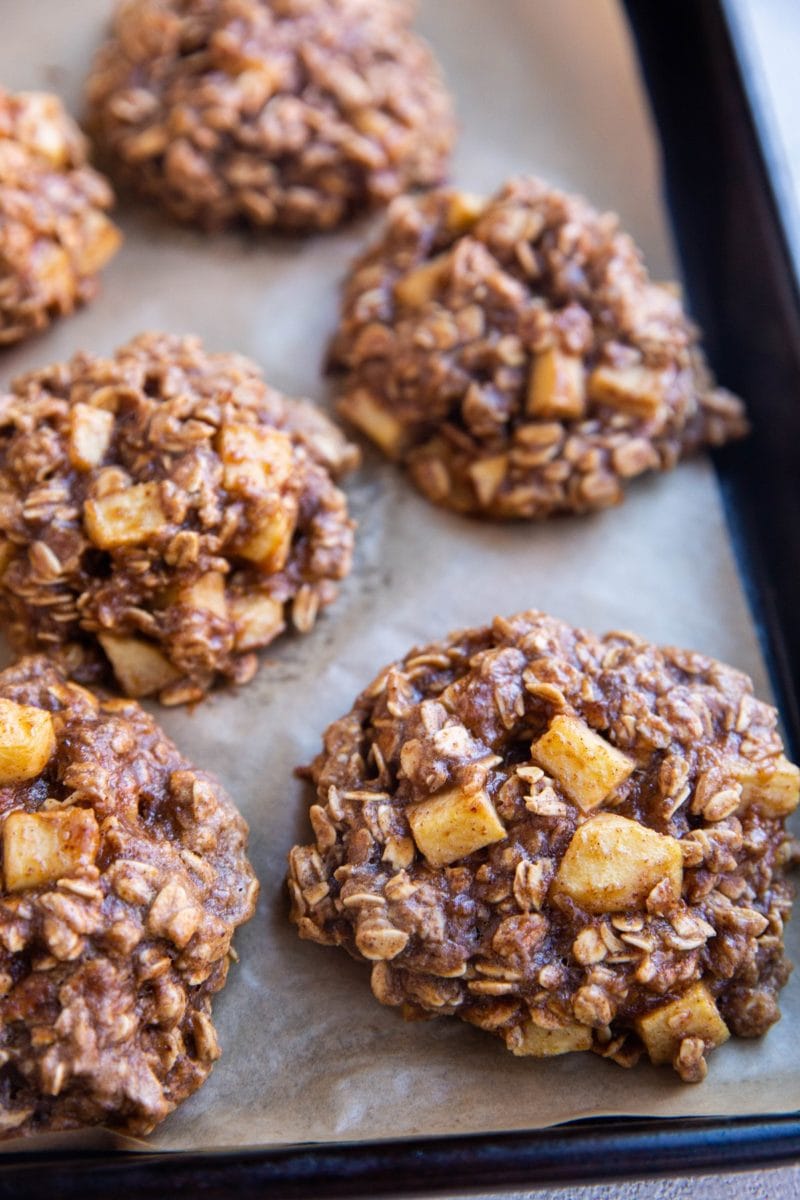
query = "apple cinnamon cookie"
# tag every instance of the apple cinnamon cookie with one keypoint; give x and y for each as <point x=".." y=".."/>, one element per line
<point x="515" y="356"/>
<point x="124" y="877"/>
<point x="573" y="842"/>
<point x="164" y="514"/>
<point x="287" y="113"/>
<point x="55" y="235"/>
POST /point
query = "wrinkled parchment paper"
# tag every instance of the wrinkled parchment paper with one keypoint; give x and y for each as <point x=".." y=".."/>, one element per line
<point x="541" y="85"/>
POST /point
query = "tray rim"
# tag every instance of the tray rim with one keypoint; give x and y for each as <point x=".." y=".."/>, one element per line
<point x="573" y="1153"/>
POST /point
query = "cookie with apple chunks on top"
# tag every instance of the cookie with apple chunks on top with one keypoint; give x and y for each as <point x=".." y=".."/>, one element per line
<point x="574" y="842"/>
<point x="124" y="878"/>
<point x="515" y="356"/>
<point x="164" y="514"/>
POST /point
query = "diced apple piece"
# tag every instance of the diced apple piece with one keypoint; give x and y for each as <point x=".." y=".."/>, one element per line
<point x="612" y="863"/>
<point x="773" y="787"/>
<point x="546" y="1043"/>
<point x="487" y="474"/>
<point x="463" y="210"/>
<point x="587" y="766"/>
<point x="42" y="127"/>
<point x="124" y="518"/>
<point x="257" y="620"/>
<point x="556" y="386"/>
<point x="633" y="389"/>
<point x="374" y="420"/>
<point x="694" y="1014"/>
<point x="270" y="543"/>
<point x="207" y="592"/>
<point x="255" y="456"/>
<point x="54" y="273"/>
<point x="454" y="824"/>
<point x="419" y="285"/>
<point x="140" y="668"/>
<point x="44" y="846"/>
<point x="27" y="741"/>
<point x="89" y="436"/>
<point x="100" y="240"/>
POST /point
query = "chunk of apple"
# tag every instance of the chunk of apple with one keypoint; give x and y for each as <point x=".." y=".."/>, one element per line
<point x="27" y="741"/>
<point x="587" y="767"/>
<point x="141" y="668"/>
<point x="463" y="210"/>
<point x="694" y="1014"/>
<point x="208" y="593"/>
<point x="270" y="542"/>
<point x="89" y="436"/>
<point x="368" y="415"/>
<point x="420" y="284"/>
<point x="772" y="787"/>
<point x="536" y="1042"/>
<point x="613" y="863"/>
<point x="99" y="241"/>
<point x="634" y="389"/>
<point x="453" y="824"/>
<point x="556" y="386"/>
<point x="125" y="518"/>
<point x="41" y="126"/>
<point x="257" y="621"/>
<point x="254" y="456"/>
<point x="41" y="847"/>
<point x="487" y="474"/>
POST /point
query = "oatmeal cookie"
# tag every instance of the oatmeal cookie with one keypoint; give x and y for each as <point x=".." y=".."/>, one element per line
<point x="164" y="512"/>
<point x="54" y="233"/>
<point x="124" y="877"/>
<point x="286" y="113"/>
<point x="516" y="357"/>
<point x="574" y="842"/>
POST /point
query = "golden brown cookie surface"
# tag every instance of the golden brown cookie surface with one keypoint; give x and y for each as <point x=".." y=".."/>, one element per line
<point x="124" y="877"/>
<point x="516" y="357"/>
<point x="570" y="841"/>
<point x="165" y="514"/>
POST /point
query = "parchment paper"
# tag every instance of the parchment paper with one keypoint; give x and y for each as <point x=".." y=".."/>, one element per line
<point x="542" y="85"/>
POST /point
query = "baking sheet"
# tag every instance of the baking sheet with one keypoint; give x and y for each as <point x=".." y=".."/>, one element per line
<point x="541" y="85"/>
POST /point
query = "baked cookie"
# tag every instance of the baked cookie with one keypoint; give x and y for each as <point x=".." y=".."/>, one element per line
<point x="287" y="113"/>
<point x="574" y="842"/>
<point x="516" y="357"/>
<point x="124" y="877"/>
<point x="165" y="513"/>
<point x="54" y="233"/>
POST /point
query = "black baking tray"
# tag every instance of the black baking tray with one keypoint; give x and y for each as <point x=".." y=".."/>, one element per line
<point x="741" y="288"/>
